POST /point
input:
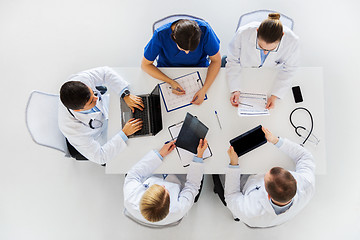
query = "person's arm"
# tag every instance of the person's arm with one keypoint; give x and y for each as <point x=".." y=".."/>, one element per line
<point x="305" y="164"/>
<point x="193" y="180"/>
<point x="148" y="67"/>
<point x="290" y="63"/>
<point x="233" y="63"/>
<point x="80" y="137"/>
<point x="236" y="201"/>
<point x="233" y="68"/>
<point x="151" y="51"/>
<point x="102" y="76"/>
<point x="146" y="166"/>
<point x="212" y="72"/>
<point x="139" y="173"/>
<point x="106" y="76"/>
<point x="283" y="80"/>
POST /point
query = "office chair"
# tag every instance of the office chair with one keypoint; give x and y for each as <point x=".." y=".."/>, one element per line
<point x="260" y="15"/>
<point x="173" y="18"/>
<point x="42" y="121"/>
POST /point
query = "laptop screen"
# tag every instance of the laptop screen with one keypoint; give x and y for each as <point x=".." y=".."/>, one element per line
<point x="155" y="110"/>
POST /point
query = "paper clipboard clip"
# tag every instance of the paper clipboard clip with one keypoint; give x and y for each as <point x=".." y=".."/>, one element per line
<point x="174" y="138"/>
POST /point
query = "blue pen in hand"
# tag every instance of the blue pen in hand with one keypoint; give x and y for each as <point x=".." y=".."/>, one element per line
<point x="217" y="117"/>
<point x="170" y="145"/>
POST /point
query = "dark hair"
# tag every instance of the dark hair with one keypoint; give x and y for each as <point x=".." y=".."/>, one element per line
<point x="74" y="95"/>
<point x="282" y="185"/>
<point x="271" y="29"/>
<point x="186" y="34"/>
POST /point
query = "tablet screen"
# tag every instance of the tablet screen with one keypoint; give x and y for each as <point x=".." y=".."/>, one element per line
<point x="248" y="141"/>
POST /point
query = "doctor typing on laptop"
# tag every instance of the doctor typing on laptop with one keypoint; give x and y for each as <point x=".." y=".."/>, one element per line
<point x="83" y="114"/>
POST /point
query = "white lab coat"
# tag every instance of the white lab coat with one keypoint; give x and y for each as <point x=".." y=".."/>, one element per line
<point x="140" y="177"/>
<point x="252" y="205"/>
<point x="243" y="53"/>
<point x="92" y="143"/>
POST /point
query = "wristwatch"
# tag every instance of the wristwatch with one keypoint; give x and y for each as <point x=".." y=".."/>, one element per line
<point x="125" y="93"/>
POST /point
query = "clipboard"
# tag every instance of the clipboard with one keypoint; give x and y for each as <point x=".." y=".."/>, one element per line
<point x="191" y="83"/>
<point x="185" y="156"/>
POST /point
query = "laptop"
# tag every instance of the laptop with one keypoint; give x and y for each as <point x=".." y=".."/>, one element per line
<point x="151" y="115"/>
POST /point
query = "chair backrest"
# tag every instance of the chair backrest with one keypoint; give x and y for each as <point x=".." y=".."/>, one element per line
<point x="260" y="15"/>
<point x="173" y="18"/>
<point x="42" y="120"/>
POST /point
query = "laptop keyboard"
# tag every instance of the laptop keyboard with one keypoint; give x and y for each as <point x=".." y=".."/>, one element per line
<point x="143" y="115"/>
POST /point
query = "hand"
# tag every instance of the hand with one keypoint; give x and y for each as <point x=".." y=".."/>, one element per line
<point x="269" y="136"/>
<point x="134" y="102"/>
<point x="132" y="126"/>
<point x="234" y="99"/>
<point x="176" y="88"/>
<point x="198" y="97"/>
<point x="271" y="102"/>
<point x="234" y="159"/>
<point x="203" y="144"/>
<point x="167" y="148"/>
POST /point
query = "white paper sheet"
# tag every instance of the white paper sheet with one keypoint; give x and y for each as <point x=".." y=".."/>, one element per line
<point x="191" y="83"/>
<point x="252" y="104"/>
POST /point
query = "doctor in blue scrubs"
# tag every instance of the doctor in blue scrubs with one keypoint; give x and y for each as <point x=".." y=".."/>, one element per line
<point x="183" y="43"/>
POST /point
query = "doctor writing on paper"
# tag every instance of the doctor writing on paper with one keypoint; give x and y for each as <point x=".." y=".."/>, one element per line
<point x="183" y="43"/>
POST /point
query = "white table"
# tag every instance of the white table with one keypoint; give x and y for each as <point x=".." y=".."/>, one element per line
<point x="255" y="80"/>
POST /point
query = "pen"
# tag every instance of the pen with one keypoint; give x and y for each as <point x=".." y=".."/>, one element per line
<point x="246" y="104"/>
<point x="177" y="89"/>
<point x="217" y="117"/>
<point x="170" y="145"/>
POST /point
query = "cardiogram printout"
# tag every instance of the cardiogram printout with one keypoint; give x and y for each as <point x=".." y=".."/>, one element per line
<point x="191" y="83"/>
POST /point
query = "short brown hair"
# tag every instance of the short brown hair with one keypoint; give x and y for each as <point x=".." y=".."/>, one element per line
<point x="282" y="185"/>
<point x="271" y="29"/>
<point x="155" y="203"/>
<point x="186" y="34"/>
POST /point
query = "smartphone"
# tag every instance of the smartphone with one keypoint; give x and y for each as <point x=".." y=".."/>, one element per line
<point x="297" y="94"/>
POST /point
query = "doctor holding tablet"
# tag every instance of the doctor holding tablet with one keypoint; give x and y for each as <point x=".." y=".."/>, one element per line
<point x="270" y="199"/>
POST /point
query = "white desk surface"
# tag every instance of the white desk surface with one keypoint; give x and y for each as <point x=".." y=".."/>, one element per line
<point x="255" y="80"/>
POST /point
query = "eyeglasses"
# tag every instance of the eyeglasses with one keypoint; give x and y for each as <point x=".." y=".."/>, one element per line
<point x="260" y="48"/>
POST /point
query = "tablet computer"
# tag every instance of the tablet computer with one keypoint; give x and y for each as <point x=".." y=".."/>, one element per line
<point x="191" y="132"/>
<point x="248" y="141"/>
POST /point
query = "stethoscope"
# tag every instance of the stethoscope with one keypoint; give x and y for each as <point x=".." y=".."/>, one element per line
<point x="315" y="140"/>
<point x="95" y="123"/>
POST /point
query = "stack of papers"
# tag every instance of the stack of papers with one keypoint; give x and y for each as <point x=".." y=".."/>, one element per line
<point x="252" y="104"/>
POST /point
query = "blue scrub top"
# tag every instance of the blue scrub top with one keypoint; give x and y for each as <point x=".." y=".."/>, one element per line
<point x="163" y="46"/>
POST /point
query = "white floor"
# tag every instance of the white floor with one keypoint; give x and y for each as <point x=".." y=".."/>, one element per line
<point x="42" y="42"/>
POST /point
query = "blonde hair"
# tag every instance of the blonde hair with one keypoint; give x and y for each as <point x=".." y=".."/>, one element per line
<point x="155" y="203"/>
<point x="271" y="29"/>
